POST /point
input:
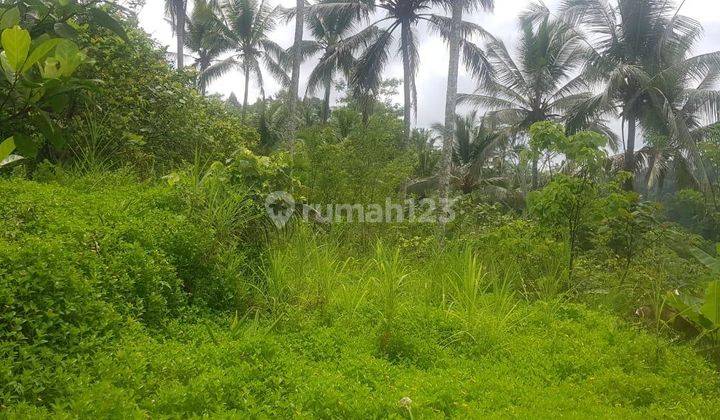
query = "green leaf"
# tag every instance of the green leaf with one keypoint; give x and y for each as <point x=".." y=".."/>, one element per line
<point x="26" y="145"/>
<point x="40" y="52"/>
<point x="711" y="307"/>
<point x="10" y="18"/>
<point x="103" y="19"/>
<point x="6" y="147"/>
<point x="16" y="42"/>
<point x="51" y="69"/>
<point x="7" y="71"/>
<point x="68" y="54"/>
<point x="58" y="140"/>
<point x="690" y="308"/>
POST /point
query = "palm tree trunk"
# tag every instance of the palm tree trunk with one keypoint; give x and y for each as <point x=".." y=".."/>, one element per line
<point x="407" y="79"/>
<point x="535" y="175"/>
<point x="180" y="11"/>
<point x="205" y="63"/>
<point x="326" y="101"/>
<point x="660" y="188"/>
<point x="451" y="104"/>
<point x="245" y="97"/>
<point x="295" y="80"/>
<point x="629" y="164"/>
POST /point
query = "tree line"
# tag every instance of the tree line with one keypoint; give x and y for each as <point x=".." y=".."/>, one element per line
<point x="581" y="65"/>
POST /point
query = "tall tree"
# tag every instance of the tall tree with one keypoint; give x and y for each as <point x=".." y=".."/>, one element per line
<point x="456" y="37"/>
<point x="177" y="11"/>
<point x="295" y="80"/>
<point x="401" y="16"/>
<point x="539" y="85"/>
<point x="205" y="38"/>
<point x="684" y="111"/>
<point x="334" y="39"/>
<point x="247" y="25"/>
<point x="633" y="42"/>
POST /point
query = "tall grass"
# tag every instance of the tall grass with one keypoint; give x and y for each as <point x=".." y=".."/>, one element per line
<point x="92" y="150"/>
<point x="304" y="269"/>
<point x="388" y="281"/>
<point x="300" y="269"/>
<point x="482" y="298"/>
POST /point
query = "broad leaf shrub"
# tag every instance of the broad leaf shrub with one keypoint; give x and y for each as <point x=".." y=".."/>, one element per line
<point x="561" y="358"/>
<point x="39" y="63"/>
<point x="364" y="164"/>
<point x="325" y="330"/>
<point x="155" y="115"/>
<point x="146" y="114"/>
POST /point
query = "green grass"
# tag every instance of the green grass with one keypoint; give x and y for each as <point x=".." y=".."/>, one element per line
<point x="559" y="360"/>
<point x="315" y="328"/>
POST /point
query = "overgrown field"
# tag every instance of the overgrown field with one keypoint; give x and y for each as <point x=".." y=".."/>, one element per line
<point x="116" y="301"/>
<point x="144" y="272"/>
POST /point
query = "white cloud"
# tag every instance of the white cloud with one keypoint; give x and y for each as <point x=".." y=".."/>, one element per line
<point x="433" y="52"/>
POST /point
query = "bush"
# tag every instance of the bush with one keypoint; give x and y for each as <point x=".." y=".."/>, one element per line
<point x="77" y="260"/>
<point x="142" y="112"/>
<point x="367" y="166"/>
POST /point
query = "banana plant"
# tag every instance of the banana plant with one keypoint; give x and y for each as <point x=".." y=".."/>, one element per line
<point x="703" y="312"/>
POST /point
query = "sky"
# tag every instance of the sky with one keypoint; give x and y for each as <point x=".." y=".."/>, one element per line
<point x="432" y="74"/>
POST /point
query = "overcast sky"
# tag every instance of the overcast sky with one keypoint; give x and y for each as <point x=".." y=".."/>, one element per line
<point x="432" y="74"/>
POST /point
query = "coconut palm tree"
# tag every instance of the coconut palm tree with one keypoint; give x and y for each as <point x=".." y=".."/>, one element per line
<point x="423" y="141"/>
<point x="538" y="85"/>
<point x="476" y="144"/>
<point x="685" y="108"/>
<point x="457" y="7"/>
<point x="176" y="10"/>
<point x="204" y="38"/>
<point x="296" y="57"/>
<point x="246" y="26"/>
<point x="401" y="16"/>
<point x="334" y="39"/>
<point x="633" y="43"/>
<point x="479" y="155"/>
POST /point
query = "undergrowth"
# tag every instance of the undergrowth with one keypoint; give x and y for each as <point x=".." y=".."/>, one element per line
<point x="118" y="302"/>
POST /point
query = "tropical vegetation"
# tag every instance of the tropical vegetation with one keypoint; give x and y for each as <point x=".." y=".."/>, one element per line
<point x="547" y="248"/>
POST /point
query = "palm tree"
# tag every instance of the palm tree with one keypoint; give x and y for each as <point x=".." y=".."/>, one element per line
<point x="334" y="39"/>
<point x="423" y="142"/>
<point x="537" y="86"/>
<point x="176" y="10"/>
<point x="634" y="42"/>
<point x="476" y="145"/>
<point x="205" y="38"/>
<point x="685" y="109"/>
<point x="246" y="27"/>
<point x="456" y="38"/>
<point x="401" y="16"/>
<point x="660" y="158"/>
<point x="295" y="78"/>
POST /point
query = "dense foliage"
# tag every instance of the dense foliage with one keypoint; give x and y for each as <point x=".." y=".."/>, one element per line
<point x="141" y="274"/>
